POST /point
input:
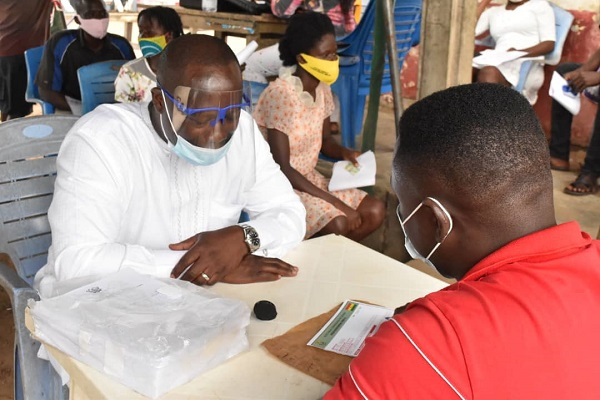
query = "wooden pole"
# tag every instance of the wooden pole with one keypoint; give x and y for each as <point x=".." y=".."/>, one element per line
<point x="390" y="31"/>
<point x="377" y="64"/>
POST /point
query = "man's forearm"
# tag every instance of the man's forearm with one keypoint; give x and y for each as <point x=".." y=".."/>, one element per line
<point x="593" y="63"/>
<point x="57" y="99"/>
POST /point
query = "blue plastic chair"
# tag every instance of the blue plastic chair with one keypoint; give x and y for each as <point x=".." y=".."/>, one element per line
<point x="27" y="173"/>
<point x="563" y="20"/>
<point x="356" y="54"/>
<point x="33" y="57"/>
<point x="97" y="83"/>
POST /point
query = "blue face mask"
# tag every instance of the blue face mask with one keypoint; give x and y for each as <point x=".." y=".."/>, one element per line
<point x="198" y="155"/>
<point x="195" y="155"/>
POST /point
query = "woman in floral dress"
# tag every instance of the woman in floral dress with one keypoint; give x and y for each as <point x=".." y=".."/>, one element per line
<point x="294" y="111"/>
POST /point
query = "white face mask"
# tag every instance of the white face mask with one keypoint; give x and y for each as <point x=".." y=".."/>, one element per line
<point x="97" y="28"/>
<point x="412" y="251"/>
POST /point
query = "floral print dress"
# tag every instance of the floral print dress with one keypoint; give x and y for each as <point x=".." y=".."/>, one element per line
<point x="134" y="82"/>
<point x="285" y="106"/>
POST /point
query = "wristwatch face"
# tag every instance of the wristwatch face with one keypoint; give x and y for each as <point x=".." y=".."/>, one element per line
<point x="251" y="238"/>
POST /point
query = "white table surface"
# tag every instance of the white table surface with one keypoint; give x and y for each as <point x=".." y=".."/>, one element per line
<point x="331" y="269"/>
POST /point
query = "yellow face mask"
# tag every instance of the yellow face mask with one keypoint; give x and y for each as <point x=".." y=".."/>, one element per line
<point x="325" y="71"/>
<point x="152" y="45"/>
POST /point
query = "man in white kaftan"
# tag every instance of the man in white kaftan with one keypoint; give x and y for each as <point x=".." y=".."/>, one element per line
<point x="127" y="196"/>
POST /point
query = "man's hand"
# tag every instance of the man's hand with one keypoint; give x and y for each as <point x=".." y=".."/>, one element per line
<point x="580" y="80"/>
<point x="210" y="255"/>
<point x="260" y="269"/>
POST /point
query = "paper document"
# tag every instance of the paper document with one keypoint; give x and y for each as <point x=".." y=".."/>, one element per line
<point x="561" y="92"/>
<point x="346" y="331"/>
<point x="347" y="176"/>
<point x="496" y="57"/>
<point x="75" y="105"/>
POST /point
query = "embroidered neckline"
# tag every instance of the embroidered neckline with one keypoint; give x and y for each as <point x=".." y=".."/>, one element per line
<point x="286" y="74"/>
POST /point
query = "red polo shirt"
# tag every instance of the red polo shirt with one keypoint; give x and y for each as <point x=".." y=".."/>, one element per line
<point x="524" y="323"/>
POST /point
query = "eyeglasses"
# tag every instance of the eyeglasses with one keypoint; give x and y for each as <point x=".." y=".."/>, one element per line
<point x="223" y="113"/>
<point x="409" y="215"/>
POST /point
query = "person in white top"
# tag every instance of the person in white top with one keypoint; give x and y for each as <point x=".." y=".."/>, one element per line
<point x="525" y="25"/>
<point x="159" y="187"/>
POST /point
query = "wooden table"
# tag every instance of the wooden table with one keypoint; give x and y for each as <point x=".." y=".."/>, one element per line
<point x="332" y="269"/>
<point x="265" y="29"/>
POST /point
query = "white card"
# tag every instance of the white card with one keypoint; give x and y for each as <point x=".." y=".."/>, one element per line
<point x="347" y="176"/>
<point x="558" y="91"/>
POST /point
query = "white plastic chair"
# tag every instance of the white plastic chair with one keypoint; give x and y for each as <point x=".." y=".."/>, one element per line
<point x="28" y="152"/>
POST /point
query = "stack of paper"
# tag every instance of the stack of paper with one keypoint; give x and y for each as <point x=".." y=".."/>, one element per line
<point x="494" y="58"/>
<point x="149" y="334"/>
<point x="347" y="175"/>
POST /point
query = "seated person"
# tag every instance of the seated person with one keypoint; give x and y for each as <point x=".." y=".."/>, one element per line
<point x="265" y="63"/>
<point x="522" y="320"/>
<point x="67" y="51"/>
<point x="158" y="26"/>
<point x="294" y="110"/>
<point x="583" y="78"/>
<point x="159" y="187"/>
<point x="340" y="12"/>
<point x="519" y="25"/>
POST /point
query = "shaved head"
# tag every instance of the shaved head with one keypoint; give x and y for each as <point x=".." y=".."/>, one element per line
<point x="201" y="62"/>
<point x="479" y="151"/>
<point x="481" y="141"/>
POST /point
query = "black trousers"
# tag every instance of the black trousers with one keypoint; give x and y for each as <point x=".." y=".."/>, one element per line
<point x="13" y="84"/>
<point x="560" y="140"/>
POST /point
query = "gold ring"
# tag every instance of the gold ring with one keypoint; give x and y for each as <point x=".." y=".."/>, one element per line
<point x="206" y="277"/>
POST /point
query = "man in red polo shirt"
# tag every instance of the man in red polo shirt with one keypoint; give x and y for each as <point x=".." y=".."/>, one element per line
<point x="471" y="172"/>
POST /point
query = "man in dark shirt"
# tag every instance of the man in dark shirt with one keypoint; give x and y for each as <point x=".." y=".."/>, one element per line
<point x="69" y="50"/>
<point x="23" y="24"/>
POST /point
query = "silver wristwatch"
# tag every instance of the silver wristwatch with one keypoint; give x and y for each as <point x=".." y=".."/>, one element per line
<point x="251" y="238"/>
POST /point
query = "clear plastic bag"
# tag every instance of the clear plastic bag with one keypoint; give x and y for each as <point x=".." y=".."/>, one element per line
<point x="150" y="334"/>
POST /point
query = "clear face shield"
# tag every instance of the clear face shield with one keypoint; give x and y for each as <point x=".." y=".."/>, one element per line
<point x="204" y="118"/>
<point x="199" y="124"/>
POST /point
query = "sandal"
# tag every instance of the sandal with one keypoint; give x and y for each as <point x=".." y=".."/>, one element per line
<point x="559" y="165"/>
<point x="586" y="183"/>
